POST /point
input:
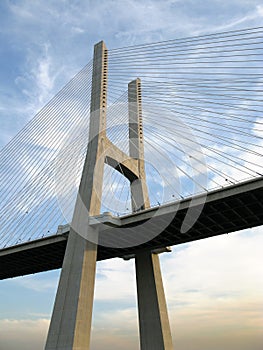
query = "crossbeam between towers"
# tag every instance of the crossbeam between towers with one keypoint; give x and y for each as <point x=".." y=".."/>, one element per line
<point x="70" y="325"/>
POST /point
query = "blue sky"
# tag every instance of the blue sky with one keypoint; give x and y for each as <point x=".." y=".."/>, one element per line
<point x="214" y="287"/>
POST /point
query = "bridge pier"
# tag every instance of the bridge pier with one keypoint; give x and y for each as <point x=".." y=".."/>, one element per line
<point x="155" y="333"/>
<point x="72" y="314"/>
<point x="70" y="326"/>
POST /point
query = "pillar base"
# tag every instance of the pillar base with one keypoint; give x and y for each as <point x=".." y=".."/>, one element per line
<point x="70" y="325"/>
<point x="155" y="333"/>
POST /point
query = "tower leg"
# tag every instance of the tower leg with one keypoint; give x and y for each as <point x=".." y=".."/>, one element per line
<point x="155" y="333"/>
<point x="72" y="314"/>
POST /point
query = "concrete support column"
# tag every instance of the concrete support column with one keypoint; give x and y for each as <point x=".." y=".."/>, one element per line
<point x="92" y="176"/>
<point x="139" y="192"/>
<point x="72" y="314"/>
<point x="155" y="333"/>
<point x="70" y="326"/>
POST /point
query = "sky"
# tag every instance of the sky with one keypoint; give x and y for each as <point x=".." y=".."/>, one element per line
<point x="213" y="287"/>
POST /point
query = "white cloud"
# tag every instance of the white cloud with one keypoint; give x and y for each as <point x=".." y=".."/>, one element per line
<point x="234" y="20"/>
<point x="209" y="284"/>
<point x="37" y="282"/>
<point x="78" y="30"/>
<point x="116" y="330"/>
<point x="119" y="277"/>
<point x="213" y="287"/>
<point x="23" y="334"/>
<point x="42" y="76"/>
<point x="21" y="11"/>
<point x="225" y="266"/>
<point x="214" y="293"/>
<point x="260" y="10"/>
<point x="220" y="265"/>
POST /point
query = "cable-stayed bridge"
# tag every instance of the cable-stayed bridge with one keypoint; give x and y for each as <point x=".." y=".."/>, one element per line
<point x="146" y="147"/>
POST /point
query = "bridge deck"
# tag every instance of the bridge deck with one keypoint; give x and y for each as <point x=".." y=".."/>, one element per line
<point x="226" y="210"/>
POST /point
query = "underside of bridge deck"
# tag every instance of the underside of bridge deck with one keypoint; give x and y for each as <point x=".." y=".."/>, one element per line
<point x="226" y="210"/>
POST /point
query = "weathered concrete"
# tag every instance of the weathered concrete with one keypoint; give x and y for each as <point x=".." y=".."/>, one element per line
<point x="155" y="333"/>
<point x="71" y="320"/>
<point x="72" y="314"/>
<point x="139" y="191"/>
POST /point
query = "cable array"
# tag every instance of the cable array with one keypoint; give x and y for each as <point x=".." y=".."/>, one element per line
<point x="202" y="107"/>
<point x="202" y="128"/>
<point x="31" y="179"/>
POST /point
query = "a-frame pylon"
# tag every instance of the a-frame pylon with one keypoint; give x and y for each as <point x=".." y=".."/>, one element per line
<point x="70" y="325"/>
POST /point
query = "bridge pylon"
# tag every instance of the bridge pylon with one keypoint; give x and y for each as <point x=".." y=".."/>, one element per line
<point x="70" y="326"/>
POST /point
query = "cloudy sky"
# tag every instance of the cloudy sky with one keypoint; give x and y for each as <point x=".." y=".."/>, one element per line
<point x="214" y="287"/>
